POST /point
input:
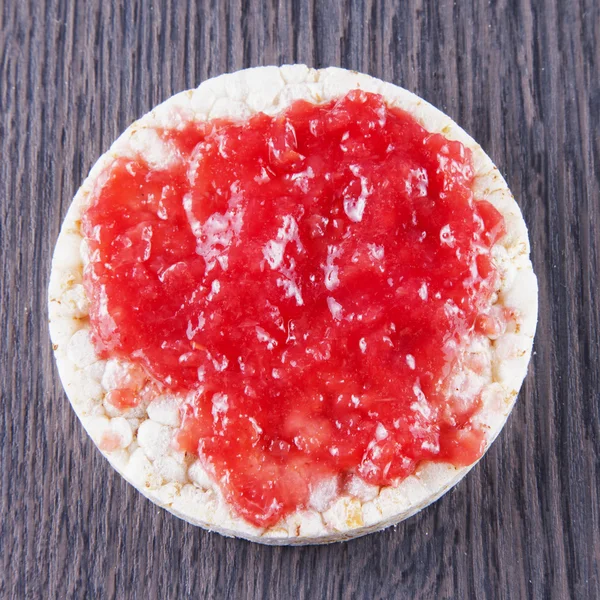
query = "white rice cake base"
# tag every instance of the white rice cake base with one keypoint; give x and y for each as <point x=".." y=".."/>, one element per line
<point x="137" y="442"/>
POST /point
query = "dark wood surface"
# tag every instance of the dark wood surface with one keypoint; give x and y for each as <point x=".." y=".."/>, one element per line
<point x="522" y="77"/>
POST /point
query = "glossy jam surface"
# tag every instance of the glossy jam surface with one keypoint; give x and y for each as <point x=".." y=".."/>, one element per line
<point x="310" y="280"/>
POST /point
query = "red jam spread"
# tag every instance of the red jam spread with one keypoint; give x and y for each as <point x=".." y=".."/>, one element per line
<point x="308" y="280"/>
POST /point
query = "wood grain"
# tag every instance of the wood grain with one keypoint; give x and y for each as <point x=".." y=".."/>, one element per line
<point x="522" y="76"/>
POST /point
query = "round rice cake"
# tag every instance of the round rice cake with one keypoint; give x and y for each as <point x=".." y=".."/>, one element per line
<point x="137" y="441"/>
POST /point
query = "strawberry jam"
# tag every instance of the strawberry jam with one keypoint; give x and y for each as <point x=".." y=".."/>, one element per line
<point x="310" y="282"/>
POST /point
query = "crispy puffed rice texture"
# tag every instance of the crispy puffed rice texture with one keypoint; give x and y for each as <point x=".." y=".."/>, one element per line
<point x="137" y="441"/>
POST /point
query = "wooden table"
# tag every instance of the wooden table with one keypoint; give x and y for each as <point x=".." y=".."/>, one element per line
<point x="522" y="77"/>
